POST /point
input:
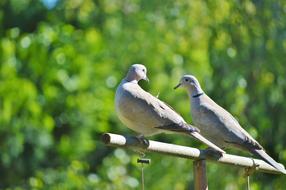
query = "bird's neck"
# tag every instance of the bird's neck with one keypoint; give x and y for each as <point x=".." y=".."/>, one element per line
<point x="195" y="92"/>
<point x="129" y="78"/>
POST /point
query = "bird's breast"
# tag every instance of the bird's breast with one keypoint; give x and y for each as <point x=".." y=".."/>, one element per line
<point x="132" y="115"/>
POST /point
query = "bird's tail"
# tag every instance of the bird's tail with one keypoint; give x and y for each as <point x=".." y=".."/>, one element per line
<point x="264" y="156"/>
<point x="199" y="137"/>
<point x="192" y="131"/>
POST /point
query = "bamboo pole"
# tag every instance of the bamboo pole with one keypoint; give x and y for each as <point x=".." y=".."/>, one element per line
<point x="186" y="152"/>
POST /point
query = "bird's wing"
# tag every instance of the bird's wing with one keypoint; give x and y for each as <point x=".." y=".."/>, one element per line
<point x="238" y="136"/>
<point x="147" y="109"/>
<point x="228" y="125"/>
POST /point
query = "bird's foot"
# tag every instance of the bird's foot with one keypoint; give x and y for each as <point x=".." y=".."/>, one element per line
<point x="210" y="152"/>
<point x="143" y="141"/>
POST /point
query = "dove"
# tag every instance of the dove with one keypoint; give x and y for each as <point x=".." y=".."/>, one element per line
<point x="146" y="114"/>
<point x="218" y="125"/>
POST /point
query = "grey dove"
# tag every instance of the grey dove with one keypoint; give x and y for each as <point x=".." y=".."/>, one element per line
<point x="146" y="114"/>
<point x="218" y="125"/>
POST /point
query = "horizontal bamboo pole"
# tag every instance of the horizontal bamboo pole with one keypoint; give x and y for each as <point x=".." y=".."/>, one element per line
<point x="185" y="152"/>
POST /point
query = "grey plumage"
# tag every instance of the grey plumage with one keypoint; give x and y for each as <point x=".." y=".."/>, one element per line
<point x="146" y="114"/>
<point x="218" y="125"/>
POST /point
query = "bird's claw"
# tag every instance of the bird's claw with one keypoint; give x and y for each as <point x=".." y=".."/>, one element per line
<point x="142" y="140"/>
<point x="210" y="152"/>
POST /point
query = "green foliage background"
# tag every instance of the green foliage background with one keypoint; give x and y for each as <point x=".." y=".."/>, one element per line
<point x="60" y="62"/>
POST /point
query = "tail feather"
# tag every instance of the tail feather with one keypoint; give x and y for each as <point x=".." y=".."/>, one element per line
<point x="264" y="156"/>
<point x="199" y="137"/>
<point x="190" y="130"/>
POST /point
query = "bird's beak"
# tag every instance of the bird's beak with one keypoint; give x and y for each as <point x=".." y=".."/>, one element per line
<point x="178" y="85"/>
<point x="146" y="79"/>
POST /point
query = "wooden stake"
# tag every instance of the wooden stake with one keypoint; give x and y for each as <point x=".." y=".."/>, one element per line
<point x="200" y="175"/>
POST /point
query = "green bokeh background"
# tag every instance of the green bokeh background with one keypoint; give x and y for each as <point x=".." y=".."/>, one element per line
<point x="60" y="63"/>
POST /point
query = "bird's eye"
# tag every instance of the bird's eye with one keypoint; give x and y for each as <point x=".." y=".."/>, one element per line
<point x="143" y="70"/>
<point x="187" y="80"/>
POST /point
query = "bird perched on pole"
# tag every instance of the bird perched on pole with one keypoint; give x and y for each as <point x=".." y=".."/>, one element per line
<point x="218" y="125"/>
<point x="146" y="114"/>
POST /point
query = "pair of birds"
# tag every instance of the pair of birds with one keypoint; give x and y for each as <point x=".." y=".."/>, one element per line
<point x="147" y="115"/>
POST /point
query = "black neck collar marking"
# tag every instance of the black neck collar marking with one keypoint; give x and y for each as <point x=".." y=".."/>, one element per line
<point x="198" y="95"/>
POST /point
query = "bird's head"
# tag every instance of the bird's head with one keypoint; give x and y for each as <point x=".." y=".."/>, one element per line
<point x="189" y="82"/>
<point x="137" y="72"/>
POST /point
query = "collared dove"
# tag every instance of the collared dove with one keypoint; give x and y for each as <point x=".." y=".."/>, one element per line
<point x="146" y="114"/>
<point x="218" y="125"/>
